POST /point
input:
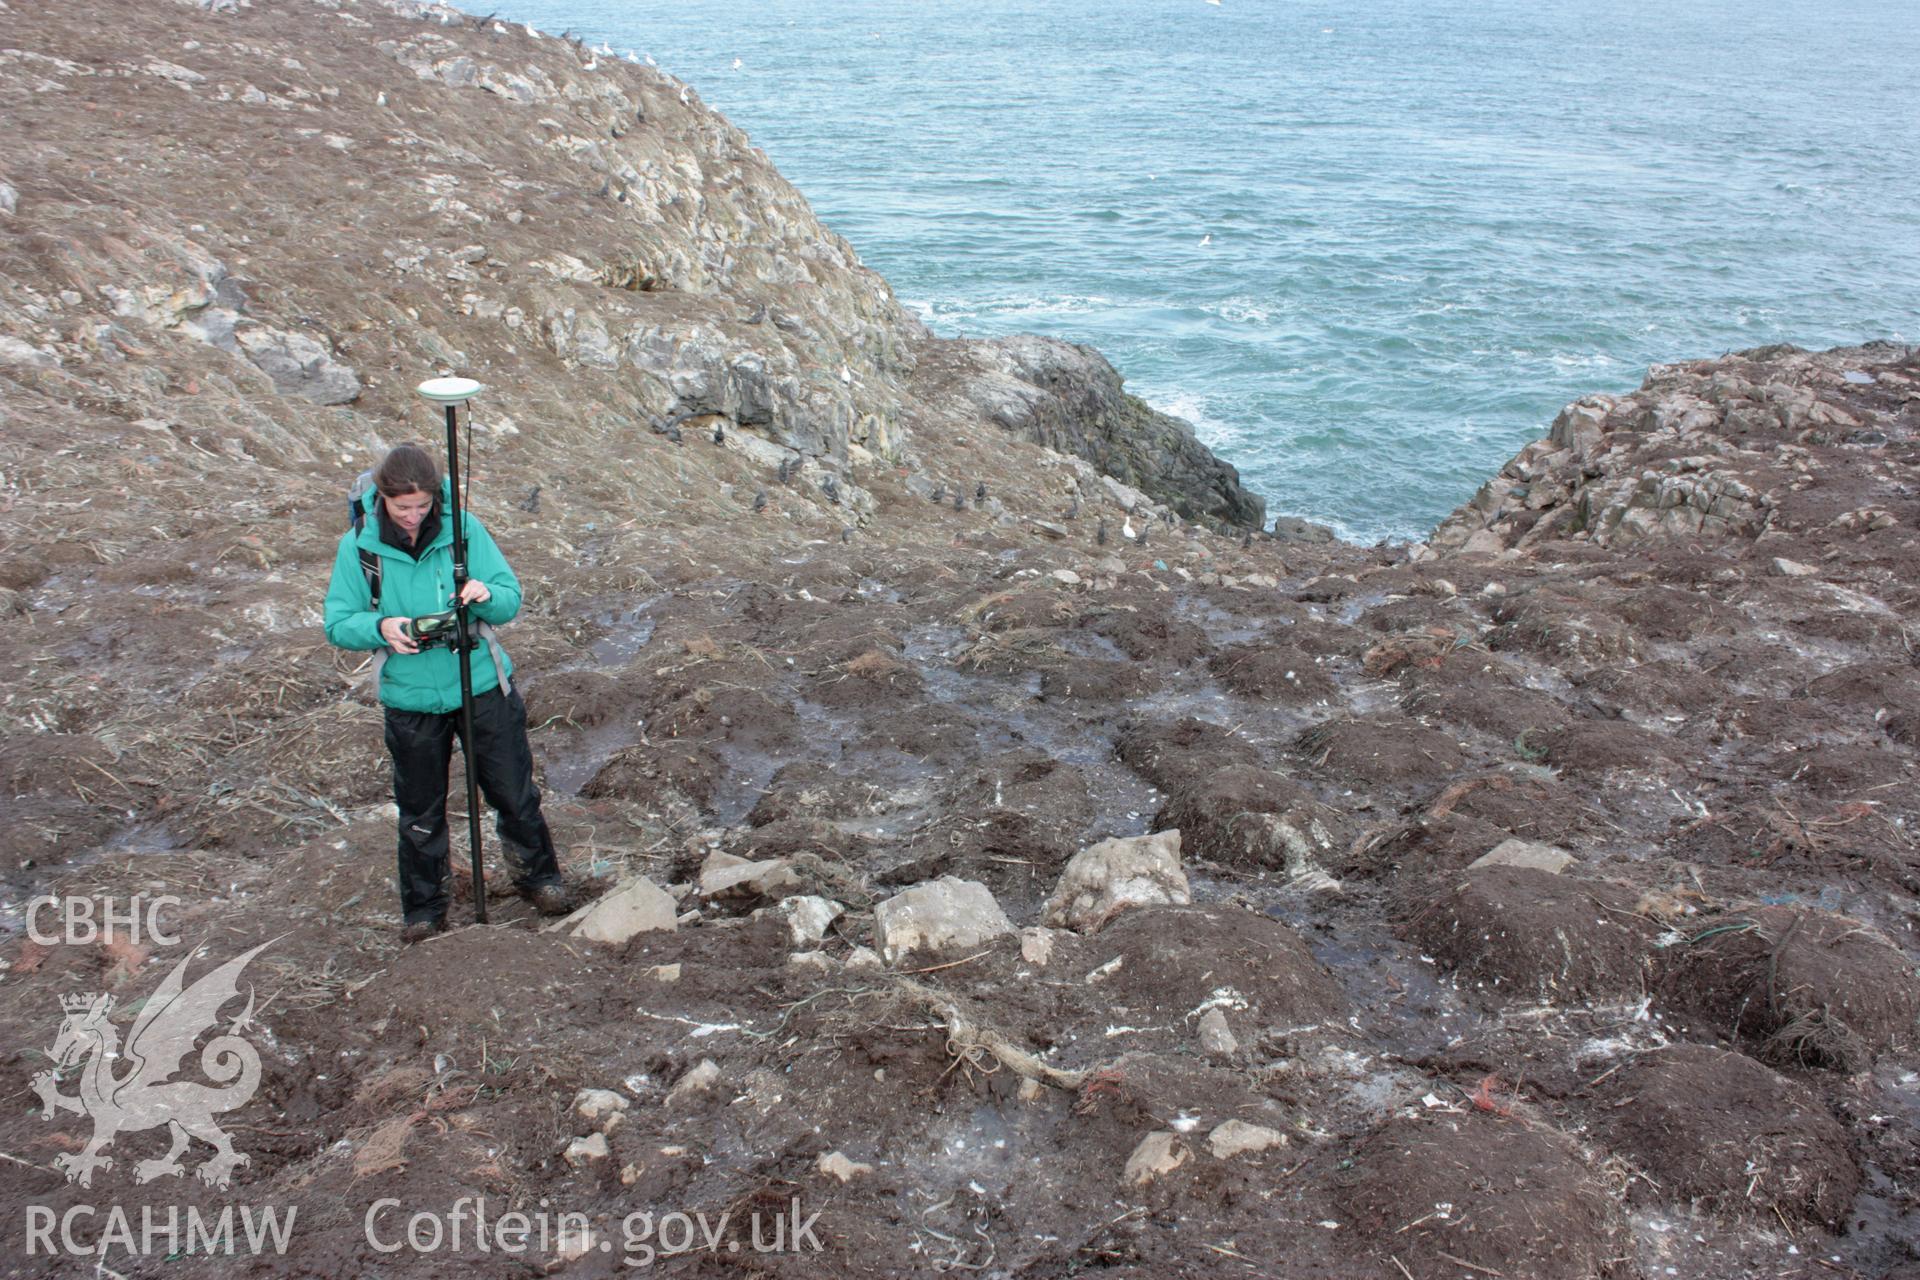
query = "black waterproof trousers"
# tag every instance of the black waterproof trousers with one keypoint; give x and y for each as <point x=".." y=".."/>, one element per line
<point x="421" y="744"/>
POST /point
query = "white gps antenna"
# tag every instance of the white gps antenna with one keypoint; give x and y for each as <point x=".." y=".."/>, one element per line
<point x="450" y="394"/>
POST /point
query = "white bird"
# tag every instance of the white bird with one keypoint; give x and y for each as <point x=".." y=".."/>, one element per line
<point x="1206" y="239"/>
<point x="846" y="375"/>
<point x="532" y="32"/>
<point x="736" y="64"/>
<point x="684" y="90"/>
<point x="651" y="62"/>
<point x="1126" y="529"/>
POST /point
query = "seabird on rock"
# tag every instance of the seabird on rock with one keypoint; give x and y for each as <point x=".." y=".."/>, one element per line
<point x="531" y="503"/>
<point x="760" y="500"/>
<point x="1073" y="509"/>
<point x="846" y="533"/>
<point x="672" y="433"/>
<point x="940" y="492"/>
<point x="786" y="469"/>
<point x="758" y="315"/>
<point x="1126" y="529"/>
<point x="1143" y="534"/>
<point x="1101" y="536"/>
<point x="1246" y="540"/>
<point x="719" y="433"/>
<point x="980" y="491"/>
<point x="959" y="500"/>
<point x="831" y="488"/>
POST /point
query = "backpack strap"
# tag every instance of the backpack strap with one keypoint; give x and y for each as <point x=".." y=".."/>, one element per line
<point x="370" y="567"/>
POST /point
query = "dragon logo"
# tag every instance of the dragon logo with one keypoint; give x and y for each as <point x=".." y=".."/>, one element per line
<point x="145" y="1097"/>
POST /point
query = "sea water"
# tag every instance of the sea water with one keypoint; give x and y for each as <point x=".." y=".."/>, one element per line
<point x="1367" y="249"/>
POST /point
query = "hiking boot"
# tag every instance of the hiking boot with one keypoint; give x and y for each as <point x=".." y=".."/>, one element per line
<point x="549" y="899"/>
<point x="420" y="930"/>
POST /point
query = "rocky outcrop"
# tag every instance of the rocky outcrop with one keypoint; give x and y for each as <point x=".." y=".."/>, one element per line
<point x="1708" y="451"/>
<point x="1068" y="398"/>
<point x="433" y="192"/>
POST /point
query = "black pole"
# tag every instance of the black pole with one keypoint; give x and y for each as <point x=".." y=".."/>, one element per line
<point x="462" y="645"/>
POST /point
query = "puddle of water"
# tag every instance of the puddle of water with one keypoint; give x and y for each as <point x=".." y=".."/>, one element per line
<point x="568" y="770"/>
<point x="628" y="630"/>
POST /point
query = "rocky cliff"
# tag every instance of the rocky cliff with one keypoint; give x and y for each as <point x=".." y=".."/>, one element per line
<point x="992" y="851"/>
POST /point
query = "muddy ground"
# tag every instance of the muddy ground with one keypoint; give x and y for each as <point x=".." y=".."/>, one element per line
<point x="802" y="584"/>
<point x="1694" y="1048"/>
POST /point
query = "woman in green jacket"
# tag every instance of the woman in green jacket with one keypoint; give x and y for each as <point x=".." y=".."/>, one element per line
<point x="397" y="564"/>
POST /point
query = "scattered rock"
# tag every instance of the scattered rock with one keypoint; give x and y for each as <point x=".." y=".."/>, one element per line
<point x="1157" y="1155"/>
<point x="595" y="1105"/>
<point x="836" y="1165"/>
<point x="723" y="874"/>
<point x="1237" y="1137"/>
<point x="637" y="906"/>
<point x="1216" y="1037"/>
<point x="1105" y="879"/>
<point x="1524" y="853"/>
<point x="583" y="1151"/>
<point x="807" y="917"/>
<point x="701" y="1079"/>
<point x="938" y="915"/>
<point x="1036" y="946"/>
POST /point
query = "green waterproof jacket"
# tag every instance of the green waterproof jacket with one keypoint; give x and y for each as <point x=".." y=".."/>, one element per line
<point x="409" y="588"/>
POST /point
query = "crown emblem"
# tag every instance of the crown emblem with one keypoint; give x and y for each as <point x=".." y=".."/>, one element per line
<point x="80" y="1003"/>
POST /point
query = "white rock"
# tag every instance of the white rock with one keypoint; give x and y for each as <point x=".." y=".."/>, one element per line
<point x="595" y="1105"/>
<point x="722" y="873"/>
<point x="14" y="351"/>
<point x="664" y="973"/>
<point x="638" y="906"/>
<point x="864" y="958"/>
<point x="701" y="1079"/>
<point x="807" y="917"/>
<point x="1158" y="1154"/>
<point x="836" y="1165"/>
<point x="1235" y="1137"/>
<point x="1792" y="568"/>
<point x="1108" y="878"/>
<point x="818" y="961"/>
<point x="298" y="365"/>
<point x="1524" y="853"/>
<point x="1066" y="577"/>
<point x="1484" y="542"/>
<point x="937" y="914"/>
<point x="592" y="1147"/>
<point x="1216" y="1037"/>
<point x="1036" y="946"/>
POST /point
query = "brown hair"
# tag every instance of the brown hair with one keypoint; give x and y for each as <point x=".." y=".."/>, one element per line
<point x="407" y="468"/>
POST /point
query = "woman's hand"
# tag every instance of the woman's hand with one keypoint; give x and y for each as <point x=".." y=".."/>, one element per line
<point x="475" y="592"/>
<point x="393" y="631"/>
